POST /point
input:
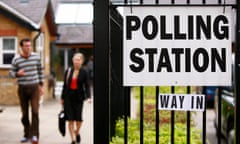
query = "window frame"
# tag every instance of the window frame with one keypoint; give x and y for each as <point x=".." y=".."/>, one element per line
<point x="2" y="51"/>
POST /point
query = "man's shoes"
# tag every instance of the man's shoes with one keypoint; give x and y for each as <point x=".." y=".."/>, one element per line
<point x="34" y="140"/>
<point x="24" y="140"/>
<point x="78" y="138"/>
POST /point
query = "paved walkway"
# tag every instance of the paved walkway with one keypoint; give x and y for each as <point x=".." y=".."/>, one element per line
<point x="11" y="129"/>
<point x="210" y="128"/>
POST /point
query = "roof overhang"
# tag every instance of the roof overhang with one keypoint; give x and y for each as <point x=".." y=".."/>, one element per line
<point x="50" y="19"/>
<point x="19" y="15"/>
<point x="74" y="45"/>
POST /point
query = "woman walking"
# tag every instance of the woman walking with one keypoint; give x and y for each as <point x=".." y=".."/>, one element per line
<point x="75" y="91"/>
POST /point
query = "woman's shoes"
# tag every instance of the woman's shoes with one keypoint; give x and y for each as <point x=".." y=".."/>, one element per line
<point x="78" y="138"/>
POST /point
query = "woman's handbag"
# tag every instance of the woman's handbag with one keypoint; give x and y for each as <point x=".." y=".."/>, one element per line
<point x="61" y="115"/>
<point x="62" y="122"/>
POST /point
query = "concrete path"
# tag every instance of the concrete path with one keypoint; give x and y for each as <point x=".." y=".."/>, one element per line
<point x="210" y="128"/>
<point x="11" y="129"/>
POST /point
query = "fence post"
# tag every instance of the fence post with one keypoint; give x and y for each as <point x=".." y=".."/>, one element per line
<point x="237" y="76"/>
<point x="101" y="72"/>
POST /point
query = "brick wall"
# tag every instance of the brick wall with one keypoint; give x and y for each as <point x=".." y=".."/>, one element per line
<point x="8" y="94"/>
<point x="8" y="86"/>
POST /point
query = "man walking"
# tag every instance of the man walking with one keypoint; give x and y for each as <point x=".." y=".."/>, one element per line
<point x="27" y="68"/>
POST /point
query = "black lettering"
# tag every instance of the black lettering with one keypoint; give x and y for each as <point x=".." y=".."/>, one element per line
<point x="196" y="59"/>
<point x="205" y="27"/>
<point x="177" y="52"/>
<point x="188" y="60"/>
<point x="181" y="99"/>
<point x="161" y="64"/>
<point x="177" y="26"/>
<point x="138" y="67"/>
<point x="164" y="101"/>
<point x="133" y="24"/>
<point x="190" y="27"/>
<point x="164" y="34"/>
<point x="174" y="102"/>
<point x="145" y="28"/>
<point x="192" y="102"/>
<point x="199" y="59"/>
<point x="216" y="58"/>
<point x="199" y="102"/>
<point x="223" y="29"/>
<point x="151" y="52"/>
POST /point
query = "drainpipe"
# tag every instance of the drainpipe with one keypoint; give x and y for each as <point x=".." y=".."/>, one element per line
<point x="35" y="49"/>
<point x="35" y="39"/>
<point x="65" y="58"/>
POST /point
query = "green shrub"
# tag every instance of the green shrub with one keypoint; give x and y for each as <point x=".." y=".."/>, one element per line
<point x="150" y="91"/>
<point x="149" y="122"/>
<point x="149" y="133"/>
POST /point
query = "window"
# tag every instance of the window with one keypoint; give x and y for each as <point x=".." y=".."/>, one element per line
<point x="40" y="46"/>
<point x="40" y="42"/>
<point x="8" y="48"/>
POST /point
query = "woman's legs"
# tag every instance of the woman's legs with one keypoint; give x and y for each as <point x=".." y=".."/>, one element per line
<point x="73" y="133"/>
<point x="71" y="130"/>
<point x="78" y="125"/>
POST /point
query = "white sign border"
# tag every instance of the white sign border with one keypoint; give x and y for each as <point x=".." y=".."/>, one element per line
<point x="183" y="79"/>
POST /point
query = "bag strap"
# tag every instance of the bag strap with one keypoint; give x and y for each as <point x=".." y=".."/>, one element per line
<point x="68" y="74"/>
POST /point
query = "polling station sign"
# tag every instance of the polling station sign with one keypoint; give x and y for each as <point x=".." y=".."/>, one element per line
<point x="181" y="102"/>
<point x="177" y="46"/>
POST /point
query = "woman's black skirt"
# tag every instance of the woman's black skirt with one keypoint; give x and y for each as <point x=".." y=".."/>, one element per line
<point x="73" y="106"/>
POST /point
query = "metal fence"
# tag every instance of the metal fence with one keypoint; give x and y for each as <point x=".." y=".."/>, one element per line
<point x="111" y="99"/>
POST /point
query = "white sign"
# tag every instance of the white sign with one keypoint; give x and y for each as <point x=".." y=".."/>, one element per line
<point x="177" y="46"/>
<point x="183" y="102"/>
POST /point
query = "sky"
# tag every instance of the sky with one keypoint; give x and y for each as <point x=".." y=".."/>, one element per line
<point x="74" y="13"/>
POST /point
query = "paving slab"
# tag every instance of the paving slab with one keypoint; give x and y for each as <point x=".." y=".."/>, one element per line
<point x="11" y="129"/>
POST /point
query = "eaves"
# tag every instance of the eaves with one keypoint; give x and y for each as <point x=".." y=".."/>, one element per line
<point x="9" y="11"/>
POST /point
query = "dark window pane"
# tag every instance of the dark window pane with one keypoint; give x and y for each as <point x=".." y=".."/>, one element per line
<point x="8" y="44"/>
<point x="7" y="58"/>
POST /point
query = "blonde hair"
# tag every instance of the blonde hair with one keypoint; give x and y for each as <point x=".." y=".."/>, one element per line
<point x="78" y="55"/>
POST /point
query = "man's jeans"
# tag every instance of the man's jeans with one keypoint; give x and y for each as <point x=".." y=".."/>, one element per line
<point x="29" y="94"/>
